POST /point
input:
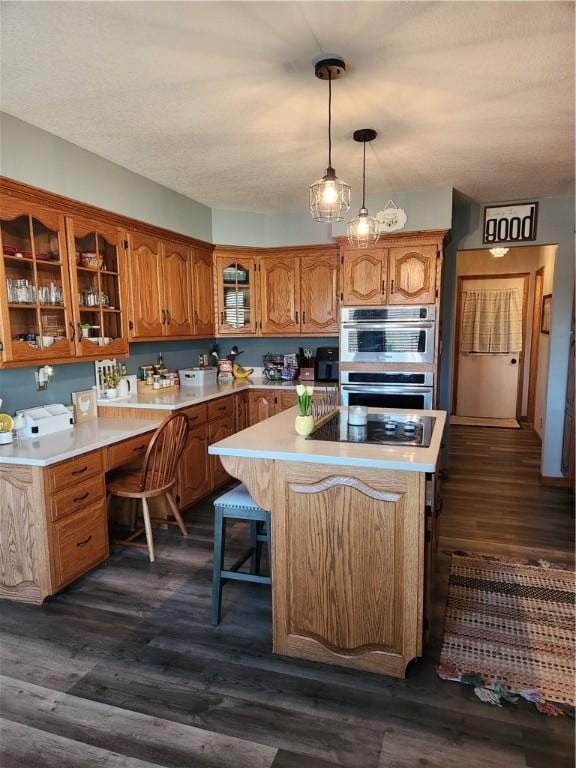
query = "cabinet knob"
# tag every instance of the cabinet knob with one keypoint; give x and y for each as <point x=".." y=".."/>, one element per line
<point x="163" y="313"/>
<point x="73" y="327"/>
<point x="169" y="316"/>
<point x="391" y="286"/>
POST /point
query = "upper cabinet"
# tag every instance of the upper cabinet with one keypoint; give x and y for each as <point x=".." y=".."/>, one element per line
<point x="235" y="281"/>
<point x="403" y="272"/>
<point x="319" y="294"/>
<point x="279" y="295"/>
<point x="97" y="272"/>
<point x="412" y="275"/>
<point x="161" y="288"/>
<point x="364" y="275"/>
<point x="36" y="312"/>
<point x="202" y="292"/>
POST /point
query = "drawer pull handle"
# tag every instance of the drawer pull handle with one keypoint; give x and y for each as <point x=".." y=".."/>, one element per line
<point x="139" y="448"/>
<point x="81" y="498"/>
<point x="79" y="471"/>
<point x="81" y="543"/>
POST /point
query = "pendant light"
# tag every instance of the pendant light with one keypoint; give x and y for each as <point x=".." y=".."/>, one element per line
<point x="364" y="230"/>
<point x="329" y="196"/>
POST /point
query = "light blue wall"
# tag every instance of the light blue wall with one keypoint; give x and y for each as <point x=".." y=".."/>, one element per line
<point x="555" y="226"/>
<point x="36" y="157"/>
<point x="18" y="388"/>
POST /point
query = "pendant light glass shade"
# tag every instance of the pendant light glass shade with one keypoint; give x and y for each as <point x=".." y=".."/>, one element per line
<point x="364" y="230"/>
<point x="329" y="197"/>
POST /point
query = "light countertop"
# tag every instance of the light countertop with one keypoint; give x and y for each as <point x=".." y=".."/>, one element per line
<point x="187" y="396"/>
<point x="275" y="439"/>
<point x="82" y="438"/>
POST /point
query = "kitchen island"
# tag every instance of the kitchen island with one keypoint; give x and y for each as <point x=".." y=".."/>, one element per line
<point x="350" y="562"/>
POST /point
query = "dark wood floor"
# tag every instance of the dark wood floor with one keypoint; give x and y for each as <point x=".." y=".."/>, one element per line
<point x="124" y="669"/>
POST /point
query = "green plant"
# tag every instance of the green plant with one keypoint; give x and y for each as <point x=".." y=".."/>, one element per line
<point x="112" y="379"/>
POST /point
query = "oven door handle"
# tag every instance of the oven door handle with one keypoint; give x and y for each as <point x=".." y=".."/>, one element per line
<point x="396" y="325"/>
<point x="414" y="389"/>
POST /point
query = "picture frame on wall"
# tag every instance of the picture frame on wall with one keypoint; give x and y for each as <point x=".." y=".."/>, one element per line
<point x="546" y="313"/>
<point x="511" y="223"/>
<point x="84" y="403"/>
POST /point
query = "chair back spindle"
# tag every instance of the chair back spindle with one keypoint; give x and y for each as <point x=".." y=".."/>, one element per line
<point x="164" y="452"/>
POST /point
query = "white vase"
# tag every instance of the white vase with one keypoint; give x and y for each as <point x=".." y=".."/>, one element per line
<point x="303" y="425"/>
<point x="111" y="393"/>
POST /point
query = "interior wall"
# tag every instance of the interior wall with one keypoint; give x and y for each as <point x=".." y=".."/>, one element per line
<point x="517" y="260"/>
<point x="555" y="227"/>
<point x="546" y="259"/>
<point x="18" y="387"/>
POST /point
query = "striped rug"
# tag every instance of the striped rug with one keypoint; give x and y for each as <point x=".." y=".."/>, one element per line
<point x="511" y="625"/>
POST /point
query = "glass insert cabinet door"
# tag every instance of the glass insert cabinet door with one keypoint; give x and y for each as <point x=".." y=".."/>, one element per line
<point x="236" y="294"/>
<point x="96" y="253"/>
<point x="35" y="308"/>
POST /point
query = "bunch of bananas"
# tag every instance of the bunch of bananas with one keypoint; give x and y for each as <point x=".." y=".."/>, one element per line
<point x="241" y="373"/>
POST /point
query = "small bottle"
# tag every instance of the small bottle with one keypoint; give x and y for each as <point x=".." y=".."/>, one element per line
<point x="160" y="361"/>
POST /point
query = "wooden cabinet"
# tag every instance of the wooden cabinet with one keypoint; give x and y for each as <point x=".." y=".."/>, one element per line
<point x="202" y="292"/>
<point x="161" y="288"/>
<point x="36" y="315"/>
<point x="262" y="404"/>
<point x="177" y="290"/>
<point x="145" y="258"/>
<point x="319" y="294"/>
<point x="194" y="479"/>
<point x="218" y="430"/>
<point x="242" y="410"/>
<point x="363" y="276"/>
<point x="78" y="542"/>
<point x="279" y="295"/>
<point x="236" y="289"/>
<point x="98" y="273"/>
<point x="412" y="275"/>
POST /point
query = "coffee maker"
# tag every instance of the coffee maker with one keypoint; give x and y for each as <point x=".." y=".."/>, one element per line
<point x="327" y="364"/>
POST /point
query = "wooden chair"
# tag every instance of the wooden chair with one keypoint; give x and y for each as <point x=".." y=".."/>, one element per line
<point x="156" y="476"/>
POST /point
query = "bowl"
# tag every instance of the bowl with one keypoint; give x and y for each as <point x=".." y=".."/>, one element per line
<point x="45" y="341"/>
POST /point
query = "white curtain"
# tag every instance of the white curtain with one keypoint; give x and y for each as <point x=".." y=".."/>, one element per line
<point x="492" y="321"/>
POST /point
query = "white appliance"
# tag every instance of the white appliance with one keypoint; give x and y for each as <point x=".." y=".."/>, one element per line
<point x="46" y="420"/>
<point x="198" y="377"/>
<point x="387" y="334"/>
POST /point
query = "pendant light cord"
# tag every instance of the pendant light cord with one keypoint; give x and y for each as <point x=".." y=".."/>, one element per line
<point x="329" y="119"/>
<point x="364" y="176"/>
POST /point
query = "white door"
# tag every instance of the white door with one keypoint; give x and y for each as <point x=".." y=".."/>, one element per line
<point x="488" y="383"/>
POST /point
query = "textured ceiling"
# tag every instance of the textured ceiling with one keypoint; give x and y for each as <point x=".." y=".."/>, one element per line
<point x="218" y="100"/>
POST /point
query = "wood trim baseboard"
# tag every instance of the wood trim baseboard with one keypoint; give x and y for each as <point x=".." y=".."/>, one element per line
<point x="556" y="482"/>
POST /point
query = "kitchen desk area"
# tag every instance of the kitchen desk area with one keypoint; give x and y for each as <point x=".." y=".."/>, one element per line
<point x="353" y="539"/>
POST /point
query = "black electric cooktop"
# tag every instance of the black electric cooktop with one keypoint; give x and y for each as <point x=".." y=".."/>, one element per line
<point x="381" y="429"/>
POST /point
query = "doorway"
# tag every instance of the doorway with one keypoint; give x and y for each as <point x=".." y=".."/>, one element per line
<point x="490" y="345"/>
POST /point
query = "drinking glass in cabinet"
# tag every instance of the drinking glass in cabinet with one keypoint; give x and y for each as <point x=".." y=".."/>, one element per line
<point x="50" y="294"/>
<point x="20" y="291"/>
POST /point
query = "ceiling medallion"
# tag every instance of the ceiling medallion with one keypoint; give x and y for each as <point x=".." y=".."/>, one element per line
<point x="391" y="218"/>
<point x="329" y="197"/>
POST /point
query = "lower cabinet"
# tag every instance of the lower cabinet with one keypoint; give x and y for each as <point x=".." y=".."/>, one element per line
<point x="218" y="430"/>
<point x="194" y="473"/>
<point x="262" y="404"/>
<point x="79" y="541"/>
<point x="242" y="410"/>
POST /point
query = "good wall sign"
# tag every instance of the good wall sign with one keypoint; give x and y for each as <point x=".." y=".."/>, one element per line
<point x="510" y="223"/>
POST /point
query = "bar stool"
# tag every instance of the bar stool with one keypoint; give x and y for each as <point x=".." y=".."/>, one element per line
<point x="237" y="504"/>
<point x="156" y="476"/>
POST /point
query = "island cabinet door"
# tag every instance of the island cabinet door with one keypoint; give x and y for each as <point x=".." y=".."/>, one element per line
<point x="348" y="559"/>
<point x="412" y="275"/>
<point x="280" y="295"/>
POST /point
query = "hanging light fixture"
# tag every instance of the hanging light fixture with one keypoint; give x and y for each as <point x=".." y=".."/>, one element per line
<point x="329" y="196"/>
<point x="499" y="253"/>
<point x="364" y="230"/>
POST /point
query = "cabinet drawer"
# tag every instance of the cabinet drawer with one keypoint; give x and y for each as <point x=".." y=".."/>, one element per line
<point x="79" y="542"/>
<point x="196" y="415"/>
<point x="74" y="470"/>
<point x="77" y="496"/>
<point x="221" y="408"/>
<point x="127" y="451"/>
